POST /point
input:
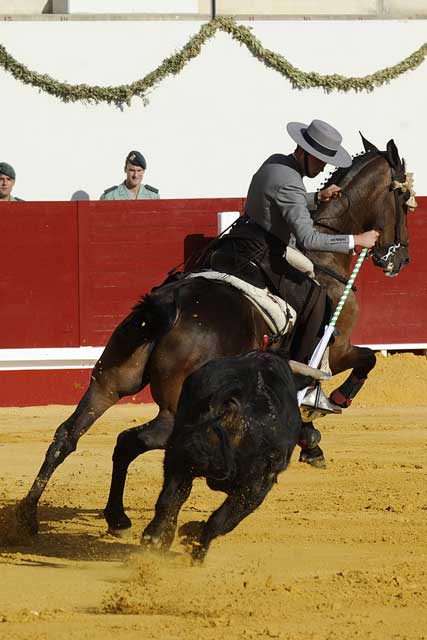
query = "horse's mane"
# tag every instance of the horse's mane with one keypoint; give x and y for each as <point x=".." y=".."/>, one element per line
<point x="359" y="161"/>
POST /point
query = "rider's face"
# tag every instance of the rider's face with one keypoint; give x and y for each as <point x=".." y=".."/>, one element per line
<point x="314" y="165"/>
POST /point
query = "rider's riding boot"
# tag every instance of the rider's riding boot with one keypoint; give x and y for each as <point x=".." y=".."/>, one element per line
<point x="315" y="402"/>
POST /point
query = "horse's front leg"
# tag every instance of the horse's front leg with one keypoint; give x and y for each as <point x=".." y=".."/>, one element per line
<point x="130" y="444"/>
<point x="361" y="361"/>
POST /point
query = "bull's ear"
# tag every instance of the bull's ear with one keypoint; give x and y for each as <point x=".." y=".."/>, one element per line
<point x="393" y="155"/>
<point x="368" y="145"/>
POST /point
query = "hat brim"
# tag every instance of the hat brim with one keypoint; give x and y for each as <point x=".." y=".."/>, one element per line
<point x="340" y="159"/>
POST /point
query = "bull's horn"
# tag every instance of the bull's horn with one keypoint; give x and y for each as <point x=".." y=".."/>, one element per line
<point x="305" y="370"/>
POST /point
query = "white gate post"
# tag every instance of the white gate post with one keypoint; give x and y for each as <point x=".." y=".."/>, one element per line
<point x="225" y="219"/>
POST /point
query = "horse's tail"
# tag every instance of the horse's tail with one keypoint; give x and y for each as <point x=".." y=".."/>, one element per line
<point x="157" y="314"/>
<point x="149" y="320"/>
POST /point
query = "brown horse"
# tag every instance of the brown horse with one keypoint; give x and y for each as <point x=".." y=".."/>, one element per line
<point x="182" y="325"/>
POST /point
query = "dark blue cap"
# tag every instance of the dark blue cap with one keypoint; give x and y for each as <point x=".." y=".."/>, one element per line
<point x="7" y="170"/>
<point x="136" y="158"/>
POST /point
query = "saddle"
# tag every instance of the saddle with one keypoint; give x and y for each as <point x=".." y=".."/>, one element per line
<point x="278" y="314"/>
<point x="238" y="265"/>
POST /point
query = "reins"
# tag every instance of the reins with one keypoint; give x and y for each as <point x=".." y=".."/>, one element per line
<point x="327" y="270"/>
<point x="332" y="274"/>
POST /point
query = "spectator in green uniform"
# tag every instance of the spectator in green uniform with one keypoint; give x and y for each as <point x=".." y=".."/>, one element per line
<point x="132" y="188"/>
<point x="7" y="182"/>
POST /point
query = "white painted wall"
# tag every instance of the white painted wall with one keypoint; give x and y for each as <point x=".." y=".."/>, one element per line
<point x="205" y="131"/>
<point x="310" y="8"/>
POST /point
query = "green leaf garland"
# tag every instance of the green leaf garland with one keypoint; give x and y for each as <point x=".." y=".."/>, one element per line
<point x="172" y="65"/>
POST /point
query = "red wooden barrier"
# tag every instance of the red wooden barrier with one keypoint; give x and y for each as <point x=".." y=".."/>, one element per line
<point x="39" y="275"/>
<point x="126" y="248"/>
<point x="70" y="271"/>
<point x="394" y="310"/>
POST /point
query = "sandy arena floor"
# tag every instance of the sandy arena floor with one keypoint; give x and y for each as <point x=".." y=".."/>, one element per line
<point x="333" y="554"/>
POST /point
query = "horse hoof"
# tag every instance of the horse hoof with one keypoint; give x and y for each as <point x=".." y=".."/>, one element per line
<point x="119" y="533"/>
<point x="313" y="457"/>
<point x="26" y="518"/>
<point x="117" y="523"/>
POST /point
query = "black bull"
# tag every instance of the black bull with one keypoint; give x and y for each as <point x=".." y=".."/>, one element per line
<point x="237" y="423"/>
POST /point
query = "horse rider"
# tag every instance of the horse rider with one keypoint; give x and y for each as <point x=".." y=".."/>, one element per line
<point x="277" y="208"/>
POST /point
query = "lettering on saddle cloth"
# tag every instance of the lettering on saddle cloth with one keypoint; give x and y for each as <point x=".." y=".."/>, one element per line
<point x="278" y="314"/>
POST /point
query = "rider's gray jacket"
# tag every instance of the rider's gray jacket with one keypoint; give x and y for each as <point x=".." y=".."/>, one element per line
<point x="278" y="201"/>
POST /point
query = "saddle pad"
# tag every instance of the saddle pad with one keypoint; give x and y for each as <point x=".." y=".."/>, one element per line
<point x="276" y="312"/>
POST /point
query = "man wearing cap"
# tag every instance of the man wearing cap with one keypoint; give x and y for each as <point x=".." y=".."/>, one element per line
<point x="7" y="182"/>
<point x="277" y="209"/>
<point x="132" y="187"/>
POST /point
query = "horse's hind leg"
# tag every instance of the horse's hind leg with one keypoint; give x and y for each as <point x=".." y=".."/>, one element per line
<point x="310" y="452"/>
<point x="130" y="444"/>
<point x="64" y="442"/>
<point x="114" y="376"/>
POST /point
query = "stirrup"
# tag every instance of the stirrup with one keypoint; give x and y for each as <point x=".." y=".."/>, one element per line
<point x="315" y="404"/>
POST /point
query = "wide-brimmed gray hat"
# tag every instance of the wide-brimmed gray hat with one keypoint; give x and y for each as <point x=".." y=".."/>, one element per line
<point x="320" y="140"/>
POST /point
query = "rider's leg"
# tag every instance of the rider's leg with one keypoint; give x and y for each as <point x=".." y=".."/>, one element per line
<point x="309" y="325"/>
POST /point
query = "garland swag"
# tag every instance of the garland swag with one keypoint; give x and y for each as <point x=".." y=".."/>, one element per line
<point x="172" y="65"/>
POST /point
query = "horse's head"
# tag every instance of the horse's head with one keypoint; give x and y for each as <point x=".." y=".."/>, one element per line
<point x="390" y="197"/>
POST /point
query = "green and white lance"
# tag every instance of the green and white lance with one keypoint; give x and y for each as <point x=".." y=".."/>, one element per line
<point x="329" y="329"/>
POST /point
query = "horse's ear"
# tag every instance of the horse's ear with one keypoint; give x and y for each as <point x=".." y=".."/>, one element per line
<point x="393" y="155"/>
<point x="368" y="145"/>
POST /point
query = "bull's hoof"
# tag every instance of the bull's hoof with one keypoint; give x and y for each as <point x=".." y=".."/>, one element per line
<point x="190" y="532"/>
<point x="149" y="542"/>
<point x="118" y="523"/>
<point x="26" y="518"/>
<point x="313" y="457"/>
<point x="198" y="554"/>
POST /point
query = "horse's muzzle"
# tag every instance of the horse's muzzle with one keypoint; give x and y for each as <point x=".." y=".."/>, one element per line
<point x="391" y="259"/>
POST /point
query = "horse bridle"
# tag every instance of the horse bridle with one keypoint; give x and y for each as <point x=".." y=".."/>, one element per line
<point x="400" y="184"/>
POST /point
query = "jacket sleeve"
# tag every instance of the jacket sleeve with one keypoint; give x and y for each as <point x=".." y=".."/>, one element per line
<point x="292" y="202"/>
<point x="311" y="202"/>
